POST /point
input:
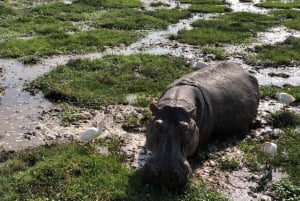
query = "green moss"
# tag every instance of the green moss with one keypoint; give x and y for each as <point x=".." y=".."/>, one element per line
<point x="91" y="83"/>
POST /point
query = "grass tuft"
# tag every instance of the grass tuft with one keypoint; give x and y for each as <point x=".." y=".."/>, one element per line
<point x="57" y="44"/>
<point x="208" y="6"/>
<point x="77" y="172"/>
<point x="111" y="3"/>
<point x="229" y="164"/>
<point x="92" y="83"/>
<point x="279" y="4"/>
<point x="237" y="27"/>
<point x="285" y="53"/>
<point x="283" y="119"/>
<point x="270" y="91"/>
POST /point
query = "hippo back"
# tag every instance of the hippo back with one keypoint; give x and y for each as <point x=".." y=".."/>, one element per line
<point x="228" y="98"/>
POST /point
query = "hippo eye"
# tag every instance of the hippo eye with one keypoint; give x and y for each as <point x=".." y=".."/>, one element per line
<point x="184" y="126"/>
<point x="158" y="123"/>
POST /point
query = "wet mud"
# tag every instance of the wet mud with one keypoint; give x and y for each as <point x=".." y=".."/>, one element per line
<point x="28" y="120"/>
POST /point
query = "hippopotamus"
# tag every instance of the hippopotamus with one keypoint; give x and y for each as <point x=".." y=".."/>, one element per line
<point x="217" y="100"/>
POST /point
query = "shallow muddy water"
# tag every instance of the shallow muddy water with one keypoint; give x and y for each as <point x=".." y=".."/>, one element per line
<point x="238" y="6"/>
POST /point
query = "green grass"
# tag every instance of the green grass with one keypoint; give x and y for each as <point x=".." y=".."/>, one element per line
<point x="284" y="119"/>
<point x="219" y="52"/>
<point x="61" y="11"/>
<point x="287" y="157"/>
<point x="68" y="115"/>
<point x="158" y="4"/>
<point x="289" y="18"/>
<point x="212" y="2"/>
<point x="135" y="121"/>
<point x="57" y="44"/>
<point x="45" y="27"/>
<point x="111" y="3"/>
<point x="285" y="53"/>
<point x="270" y="91"/>
<point x="279" y="4"/>
<point x="129" y="20"/>
<point x="254" y="158"/>
<point x="229" y="164"/>
<point x="6" y="11"/>
<point x="91" y="83"/>
<point x="171" y="15"/>
<point x="135" y="20"/>
<point x="286" y="190"/>
<point x="237" y="27"/>
<point x="43" y="19"/>
<point x="207" y="6"/>
<point x="288" y="154"/>
<point x="54" y="17"/>
<point x="77" y="172"/>
<point x="246" y="1"/>
<point x="39" y="25"/>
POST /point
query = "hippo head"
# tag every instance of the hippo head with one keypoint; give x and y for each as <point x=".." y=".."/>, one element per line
<point x="172" y="136"/>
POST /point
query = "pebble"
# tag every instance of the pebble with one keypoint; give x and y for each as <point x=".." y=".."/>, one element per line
<point x="200" y="64"/>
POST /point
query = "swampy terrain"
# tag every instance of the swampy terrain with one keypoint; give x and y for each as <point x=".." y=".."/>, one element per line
<point x="68" y="65"/>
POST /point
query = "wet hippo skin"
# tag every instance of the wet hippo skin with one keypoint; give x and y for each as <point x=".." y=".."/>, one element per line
<point x="213" y="101"/>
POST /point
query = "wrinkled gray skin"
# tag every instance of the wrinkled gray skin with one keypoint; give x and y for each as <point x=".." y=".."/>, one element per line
<point x="215" y="100"/>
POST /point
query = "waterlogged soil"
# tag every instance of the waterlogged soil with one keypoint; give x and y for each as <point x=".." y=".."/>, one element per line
<point x="28" y="120"/>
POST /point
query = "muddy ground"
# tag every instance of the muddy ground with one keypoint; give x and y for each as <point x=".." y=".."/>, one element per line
<point x="28" y="120"/>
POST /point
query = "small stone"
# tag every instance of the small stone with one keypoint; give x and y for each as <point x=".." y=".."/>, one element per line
<point x="200" y="64"/>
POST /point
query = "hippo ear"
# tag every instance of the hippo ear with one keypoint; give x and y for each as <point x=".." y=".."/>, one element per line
<point x="193" y="112"/>
<point x="153" y="108"/>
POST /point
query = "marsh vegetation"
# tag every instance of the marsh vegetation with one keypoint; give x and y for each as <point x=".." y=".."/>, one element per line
<point x="31" y="31"/>
<point x="81" y="173"/>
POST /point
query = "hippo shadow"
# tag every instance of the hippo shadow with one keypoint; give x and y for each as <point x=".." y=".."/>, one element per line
<point x="138" y="190"/>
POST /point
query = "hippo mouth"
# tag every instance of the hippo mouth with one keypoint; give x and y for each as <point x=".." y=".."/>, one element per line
<point x="172" y="179"/>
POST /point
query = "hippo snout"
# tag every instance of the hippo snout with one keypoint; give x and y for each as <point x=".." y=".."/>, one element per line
<point x="171" y="176"/>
